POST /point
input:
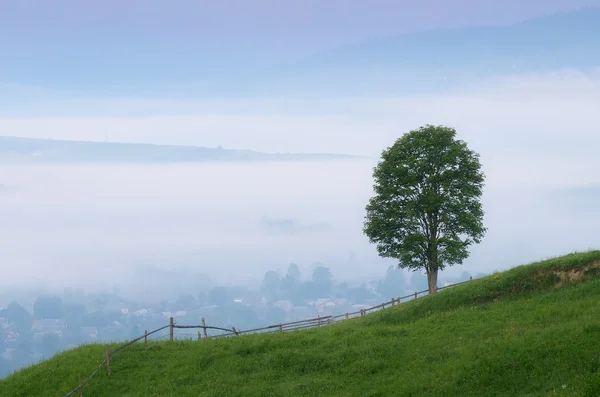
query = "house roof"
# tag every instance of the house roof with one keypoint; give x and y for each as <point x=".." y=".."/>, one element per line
<point x="50" y="323"/>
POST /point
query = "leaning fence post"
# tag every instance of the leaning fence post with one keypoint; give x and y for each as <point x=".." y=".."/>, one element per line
<point x="204" y="328"/>
<point x="108" y="359"/>
<point x="171" y="329"/>
<point x="146" y="340"/>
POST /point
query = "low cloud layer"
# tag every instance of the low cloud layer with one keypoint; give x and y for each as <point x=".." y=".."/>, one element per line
<point x="536" y="136"/>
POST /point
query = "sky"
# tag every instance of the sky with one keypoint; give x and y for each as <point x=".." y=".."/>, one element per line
<point x="70" y="44"/>
<point x="535" y="133"/>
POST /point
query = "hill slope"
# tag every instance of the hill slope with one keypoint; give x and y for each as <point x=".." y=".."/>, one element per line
<point x="28" y="150"/>
<point x="531" y="331"/>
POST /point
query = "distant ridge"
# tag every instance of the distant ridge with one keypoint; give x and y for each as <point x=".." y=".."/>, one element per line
<point x="31" y="150"/>
<point x="443" y="59"/>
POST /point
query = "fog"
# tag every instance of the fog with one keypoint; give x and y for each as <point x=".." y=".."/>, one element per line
<point x="93" y="224"/>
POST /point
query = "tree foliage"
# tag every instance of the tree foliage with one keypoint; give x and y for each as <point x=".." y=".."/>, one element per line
<point x="426" y="210"/>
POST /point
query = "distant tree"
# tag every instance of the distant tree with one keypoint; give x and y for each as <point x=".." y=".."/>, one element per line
<point x="74" y="313"/>
<point x="293" y="273"/>
<point x="218" y="296"/>
<point x="18" y="316"/>
<point x="48" y="307"/>
<point x="341" y="290"/>
<point x="243" y="317"/>
<point x="186" y="302"/>
<point x="201" y="298"/>
<point x="361" y="294"/>
<point x="418" y="281"/>
<point x="322" y="280"/>
<point x="464" y="276"/>
<point x="426" y="210"/>
<point x="393" y="283"/>
<point x="23" y="352"/>
<point x="95" y="319"/>
<point x="291" y="284"/>
<point x="271" y="285"/>
<point x="50" y="345"/>
<point x="292" y="277"/>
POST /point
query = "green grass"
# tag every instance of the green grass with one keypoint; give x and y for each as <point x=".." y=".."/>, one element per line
<point x="523" y="332"/>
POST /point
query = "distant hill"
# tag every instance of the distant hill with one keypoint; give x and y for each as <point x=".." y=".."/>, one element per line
<point x="27" y="150"/>
<point x="443" y="59"/>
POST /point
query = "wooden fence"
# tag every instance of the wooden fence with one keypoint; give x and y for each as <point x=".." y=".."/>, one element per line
<point x="230" y="332"/>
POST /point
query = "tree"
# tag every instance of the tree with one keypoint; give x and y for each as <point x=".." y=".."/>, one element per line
<point x="186" y="302"/>
<point x="18" y="316"/>
<point x="48" y="307"/>
<point x="393" y="283"/>
<point x="322" y="280"/>
<point x="292" y="277"/>
<point x="218" y="296"/>
<point x="201" y="299"/>
<point x="50" y="345"/>
<point x="426" y="210"/>
<point x="271" y="285"/>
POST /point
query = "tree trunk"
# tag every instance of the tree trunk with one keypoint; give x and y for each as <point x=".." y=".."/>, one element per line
<point x="432" y="276"/>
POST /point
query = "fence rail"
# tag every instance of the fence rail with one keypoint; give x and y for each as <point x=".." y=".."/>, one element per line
<point x="229" y="332"/>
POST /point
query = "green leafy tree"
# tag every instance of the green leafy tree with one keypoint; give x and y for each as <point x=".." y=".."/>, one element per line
<point x="426" y="210"/>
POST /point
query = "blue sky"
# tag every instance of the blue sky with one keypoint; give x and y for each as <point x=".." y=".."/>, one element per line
<point x="69" y="44"/>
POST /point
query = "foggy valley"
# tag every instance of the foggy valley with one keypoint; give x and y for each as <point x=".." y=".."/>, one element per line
<point x="241" y="199"/>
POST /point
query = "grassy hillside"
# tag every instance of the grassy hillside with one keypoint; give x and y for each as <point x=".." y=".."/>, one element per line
<point x="531" y="331"/>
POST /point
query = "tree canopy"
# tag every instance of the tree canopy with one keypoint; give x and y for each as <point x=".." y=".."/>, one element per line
<point x="426" y="210"/>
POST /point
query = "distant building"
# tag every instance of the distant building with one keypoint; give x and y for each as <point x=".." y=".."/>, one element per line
<point x="141" y="313"/>
<point x="57" y="326"/>
<point x="284" y="305"/>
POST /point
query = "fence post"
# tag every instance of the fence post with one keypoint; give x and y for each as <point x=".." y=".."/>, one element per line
<point x="346" y="315"/>
<point x="393" y="300"/>
<point x="470" y="278"/>
<point x="280" y="328"/>
<point x="80" y="387"/>
<point x="319" y="319"/>
<point x="198" y="335"/>
<point x="234" y="331"/>
<point x="108" y="359"/>
<point x="146" y="340"/>
<point x="398" y="300"/>
<point x="204" y="328"/>
<point x="415" y="294"/>
<point x="171" y="329"/>
<point x="362" y="312"/>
